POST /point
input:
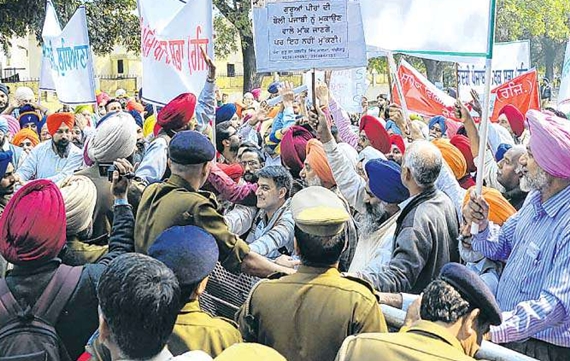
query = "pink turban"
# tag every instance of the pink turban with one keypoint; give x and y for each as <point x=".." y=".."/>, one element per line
<point x="550" y="142"/>
<point x="256" y="93"/>
<point x="13" y="124"/>
<point x="293" y="149"/>
<point x="33" y="225"/>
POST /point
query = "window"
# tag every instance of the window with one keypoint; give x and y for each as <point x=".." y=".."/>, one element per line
<point x="120" y="66"/>
<point x="231" y="70"/>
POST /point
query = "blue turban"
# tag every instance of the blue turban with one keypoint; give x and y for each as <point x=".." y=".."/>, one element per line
<point x="385" y="182"/>
<point x="189" y="251"/>
<point x="501" y="150"/>
<point x="4" y="125"/>
<point x="138" y="117"/>
<point x="439" y="119"/>
<point x="392" y="126"/>
<point x="29" y="115"/>
<point x="274" y="87"/>
<point x="225" y="112"/>
<point x="5" y="159"/>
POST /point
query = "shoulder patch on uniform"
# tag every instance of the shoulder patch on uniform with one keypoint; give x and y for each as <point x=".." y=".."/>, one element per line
<point x="363" y="282"/>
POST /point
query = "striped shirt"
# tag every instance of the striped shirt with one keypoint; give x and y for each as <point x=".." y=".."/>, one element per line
<point x="534" y="289"/>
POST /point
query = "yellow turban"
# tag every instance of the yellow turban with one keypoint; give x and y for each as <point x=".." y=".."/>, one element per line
<point x="452" y="157"/>
<point x="148" y="126"/>
<point x="499" y="208"/>
<point x="84" y="107"/>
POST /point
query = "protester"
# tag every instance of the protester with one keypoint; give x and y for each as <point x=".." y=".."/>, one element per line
<point x="534" y="243"/>
<point x="4" y="97"/>
<point x="7" y="182"/>
<point x="456" y="312"/>
<point x="80" y="196"/>
<point x="337" y="306"/>
<point x="24" y="101"/>
<point x="437" y="127"/>
<point x="55" y="159"/>
<point x="192" y="253"/>
<point x="139" y="299"/>
<point x="268" y="228"/>
<point x="426" y="230"/>
<point x="373" y="133"/>
<point x="26" y="139"/>
<point x="6" y="146"/>
<point x="33" y="229"/>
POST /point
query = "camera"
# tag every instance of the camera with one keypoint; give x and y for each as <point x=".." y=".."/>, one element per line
<point x="106" y="170"/>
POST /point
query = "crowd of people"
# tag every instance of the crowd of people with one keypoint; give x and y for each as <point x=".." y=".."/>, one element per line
<point x="115" y="215"/>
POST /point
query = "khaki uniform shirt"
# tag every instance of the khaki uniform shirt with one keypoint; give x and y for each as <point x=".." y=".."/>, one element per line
<point x="196" y="330"/>
<point x="175" y="203"/>
<point x="78" y="253"/>
<point x="307" y="315"/>
<point x="425" y="341"/>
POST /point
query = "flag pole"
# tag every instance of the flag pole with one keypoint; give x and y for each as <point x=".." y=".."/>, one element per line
<point x="484" y="126"/>
<point x="399" y="89"/>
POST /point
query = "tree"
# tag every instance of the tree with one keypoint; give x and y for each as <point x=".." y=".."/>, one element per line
<point x="110" y="22"/>
<point x="225" y="37"/>
<point x="545" y="22"/>
<point x="237" y="12"/>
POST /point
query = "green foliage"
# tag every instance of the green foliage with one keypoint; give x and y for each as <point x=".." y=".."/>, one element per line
<point x="226" y="37"/>
<point x="110" y="22"/>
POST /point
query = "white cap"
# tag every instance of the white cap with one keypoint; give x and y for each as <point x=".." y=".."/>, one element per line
<point x="120" y="93"/>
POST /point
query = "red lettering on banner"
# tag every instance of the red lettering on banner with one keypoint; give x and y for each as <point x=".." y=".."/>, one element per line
<point x="195" y="60"/>
<point x="522" y="92"/>
<point x="176" y="48"/>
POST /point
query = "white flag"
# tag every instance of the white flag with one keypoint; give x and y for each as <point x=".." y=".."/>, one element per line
<point x="442" y="30"/>
<point x="564" y="93"/>
<point x="51" y="28"/>
<point x="71" y="61"/>
<point x="171" y="35"/>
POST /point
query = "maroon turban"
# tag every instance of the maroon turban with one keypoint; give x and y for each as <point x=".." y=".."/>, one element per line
<point x="462" y="143"/>
<point x="33" y="224"/>
<point x="293" y="149"/>
<point x="376" y="133"/>
<point x="178" y="112"/>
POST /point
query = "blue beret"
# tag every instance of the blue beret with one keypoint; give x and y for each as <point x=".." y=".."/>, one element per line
<point x="392" y="126"/>
<point x="274" y="87"/>
<point x="5" y="159"/>
<point x="501" y="150"/>
<point x="439" y="119"/>
<point x="138" y="118"/>
<point x="189" y="251"/>
<point x="190" y="147"/>
<point x="472" y="288"/>
<point x="225" y="112"/>
<point x="385" y="181"/>
<point x="4" y="125"/>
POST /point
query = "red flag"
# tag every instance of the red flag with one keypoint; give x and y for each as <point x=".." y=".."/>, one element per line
<point x="421" y="95"/>
<point x="522" y="92"/>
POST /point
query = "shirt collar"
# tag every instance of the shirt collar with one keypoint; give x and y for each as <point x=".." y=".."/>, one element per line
<point x="317" y="270"/>
<point x="164" y="355"/>
<point x="437" y="331"/>
<point x="180" y="182"/>
<point x="191" y="306"/>
<point x="552" y="206"/>
<point x="405" y="203"/>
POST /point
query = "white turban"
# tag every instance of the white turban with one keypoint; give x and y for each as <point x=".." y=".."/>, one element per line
<point x="369" y="153"/>
<point x="24" y="93"/>
<point x="114" y="138"/>
<point x="79" y="195"/>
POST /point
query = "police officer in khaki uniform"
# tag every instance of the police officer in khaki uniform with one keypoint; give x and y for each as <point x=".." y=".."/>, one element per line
<point x="179" y="202"/>
<point x="306" y="316"/>
<point x="192" y="254"/>
<point x="249" y="352"/>
<point x="456" y="310"/>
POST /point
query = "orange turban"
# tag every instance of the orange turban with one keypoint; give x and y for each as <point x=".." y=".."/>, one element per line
<point x="132" y="105"/>
<point x="452" y="157"/>
<point x="317" y="159"/>
<point x="54" y="121"/>
<point x="499" y="208"/>
<point x="26" y="133"/>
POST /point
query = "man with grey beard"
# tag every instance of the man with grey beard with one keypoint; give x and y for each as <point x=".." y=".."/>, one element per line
<point x="533" y="291"/>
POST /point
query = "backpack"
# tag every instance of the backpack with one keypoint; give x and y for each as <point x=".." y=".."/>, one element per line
<point x="30" y="335"/>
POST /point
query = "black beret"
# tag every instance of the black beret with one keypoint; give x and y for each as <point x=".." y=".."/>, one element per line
<point x="189" y="251"/>
<point x="190" y="147"/>
<point x="472" y="288"/>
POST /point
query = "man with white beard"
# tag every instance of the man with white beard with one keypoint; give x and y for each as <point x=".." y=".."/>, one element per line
<point x="534" y="290"/>
<point x="489" y="270"/>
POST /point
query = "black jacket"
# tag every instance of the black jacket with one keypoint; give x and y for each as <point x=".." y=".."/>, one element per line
<point x="79" y="318"/>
